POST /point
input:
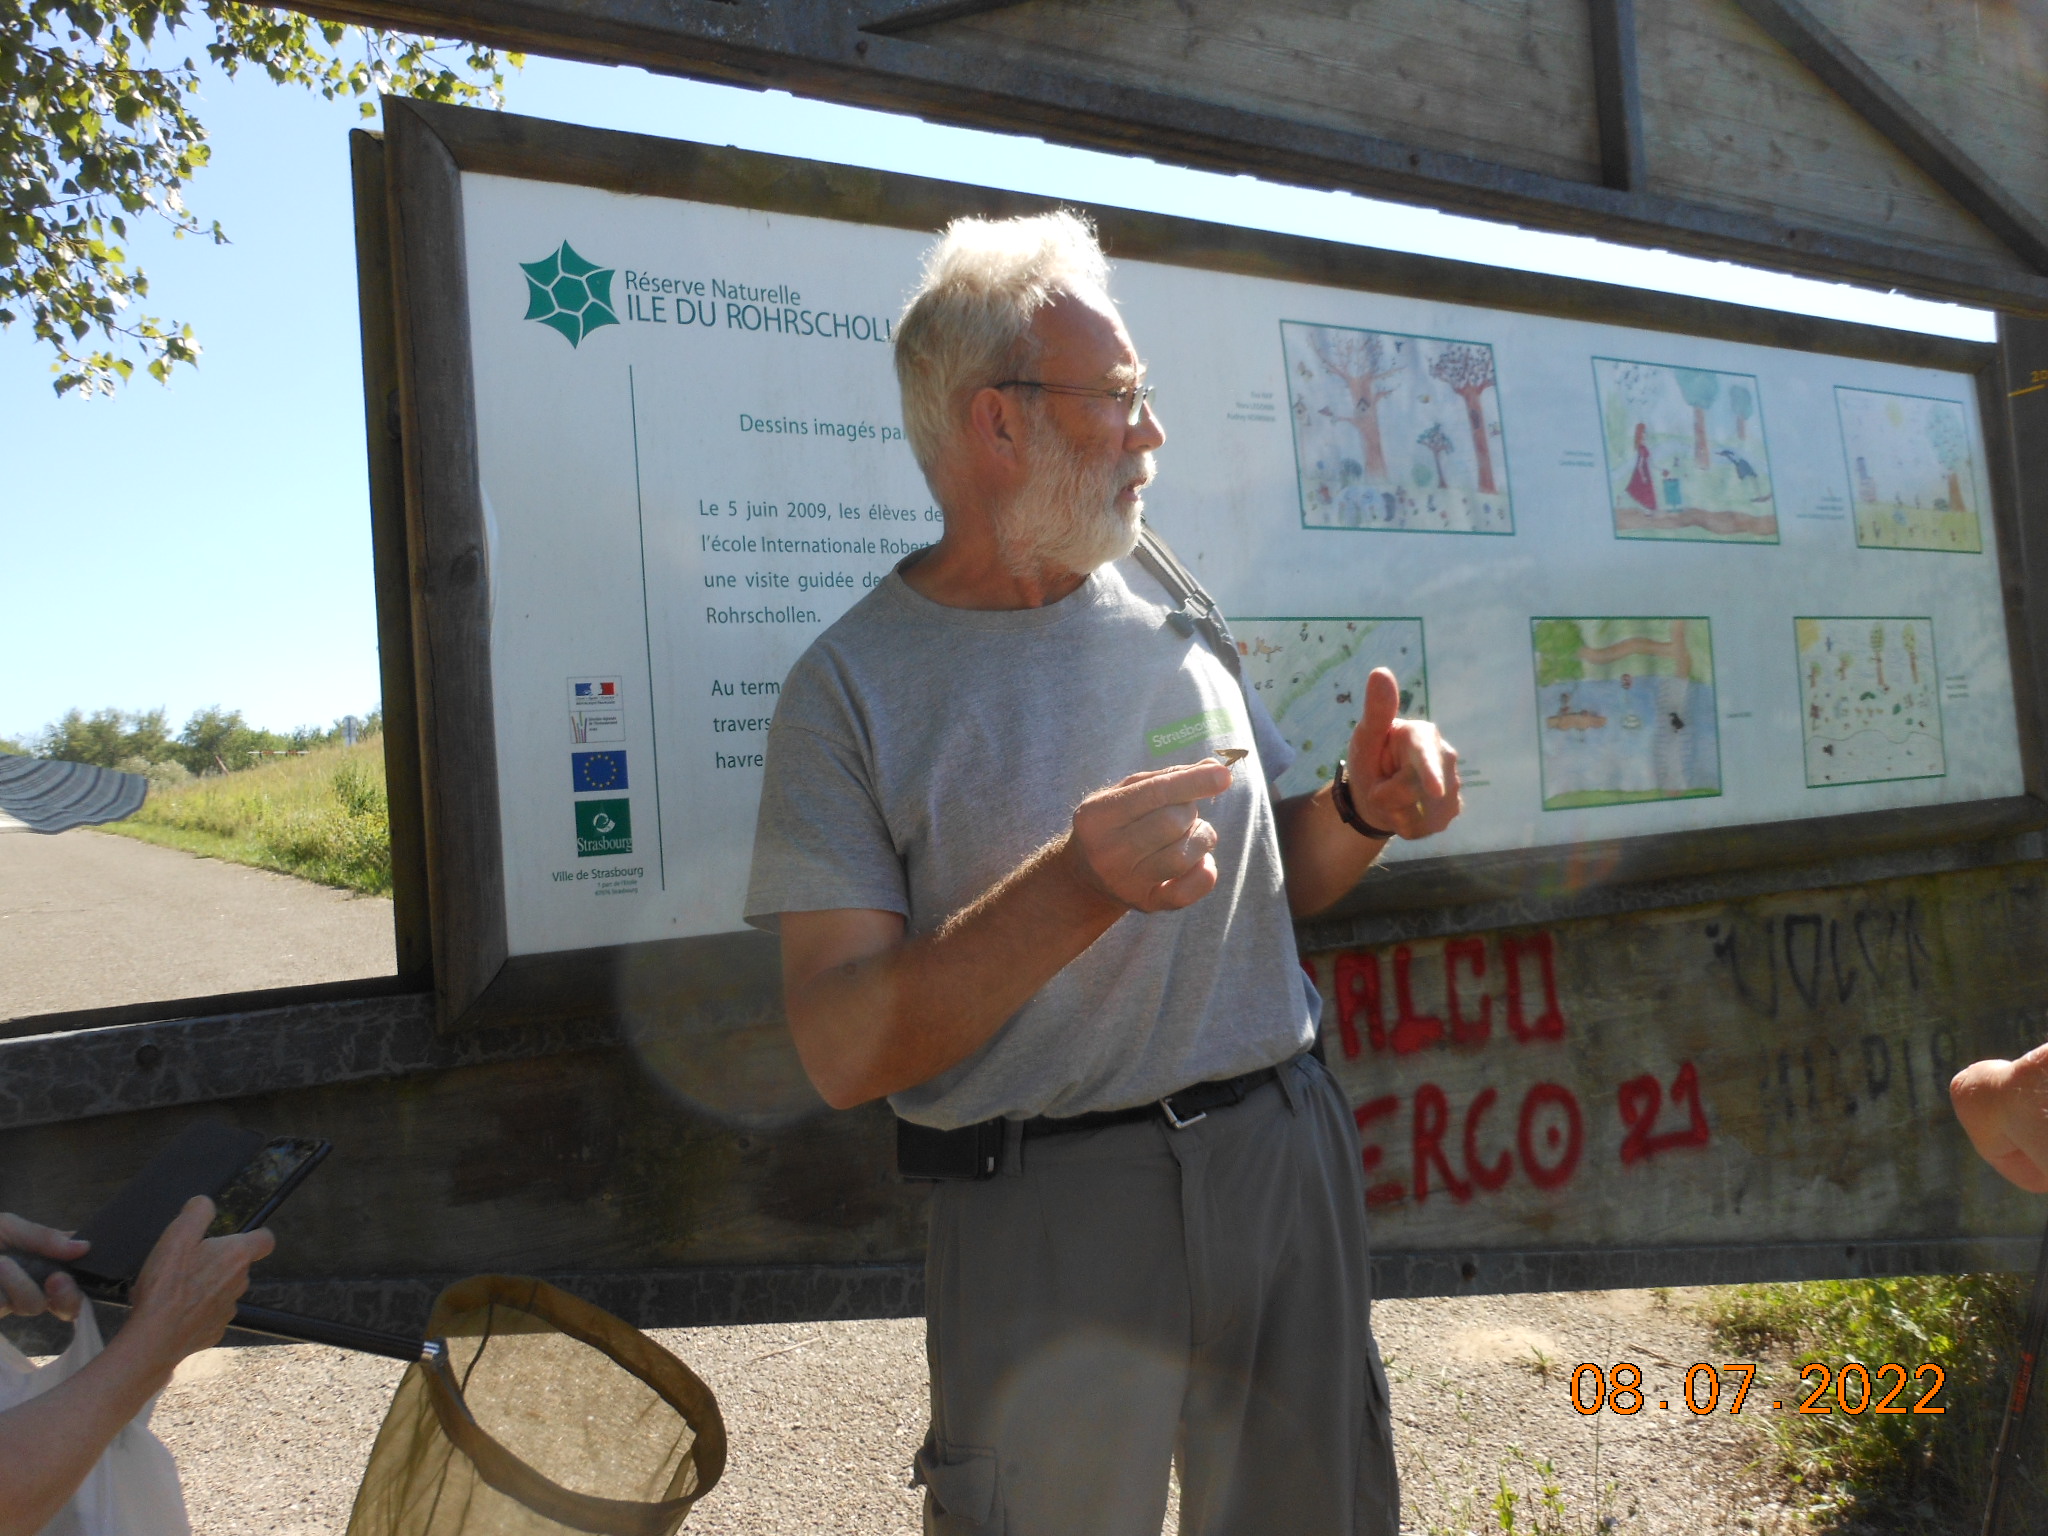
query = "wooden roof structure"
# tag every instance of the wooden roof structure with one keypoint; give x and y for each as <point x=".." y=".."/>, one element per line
<point x="1903" y="145"/>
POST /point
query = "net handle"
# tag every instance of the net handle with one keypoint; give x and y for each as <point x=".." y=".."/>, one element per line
<point x="667" y="1376"/>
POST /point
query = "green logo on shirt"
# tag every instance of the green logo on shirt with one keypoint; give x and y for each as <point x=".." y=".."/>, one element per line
<point x="1168" y="739"/>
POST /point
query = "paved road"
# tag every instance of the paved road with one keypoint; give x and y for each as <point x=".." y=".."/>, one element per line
<point x="89" y="920"/>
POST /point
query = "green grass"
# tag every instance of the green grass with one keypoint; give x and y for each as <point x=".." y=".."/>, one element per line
<point x="322" y="817"/>
<point x="1922" y="1474"/>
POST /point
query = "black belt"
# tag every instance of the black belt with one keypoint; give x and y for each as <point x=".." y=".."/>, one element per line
<point x="1179" y="1110"/>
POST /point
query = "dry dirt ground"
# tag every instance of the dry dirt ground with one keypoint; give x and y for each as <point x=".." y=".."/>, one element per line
<point x="823" y="1417"/>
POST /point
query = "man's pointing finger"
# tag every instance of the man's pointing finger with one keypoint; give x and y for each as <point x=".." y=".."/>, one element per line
<point x="1173" y="786"/>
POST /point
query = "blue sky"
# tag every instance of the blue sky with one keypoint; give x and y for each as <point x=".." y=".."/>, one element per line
<point x="208" y="543"/>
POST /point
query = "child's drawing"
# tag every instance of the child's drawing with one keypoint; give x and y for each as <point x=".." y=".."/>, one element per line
<point x="1912" y="474"/>
<point x="1685" y="453"/>
<point x="1310" y="674"/>
<point x="1395" y="432"/>
<point x="1626" y="711"/>
<point x="1870" y="695"/>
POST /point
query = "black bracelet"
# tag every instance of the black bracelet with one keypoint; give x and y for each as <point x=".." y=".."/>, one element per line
<point x="1347" y="808"/>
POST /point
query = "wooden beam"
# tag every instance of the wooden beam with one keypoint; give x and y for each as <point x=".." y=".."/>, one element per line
<point x="890" y="17"/>
<point x="383" y="440"/>
<point x="449" y="562"/>
<point x="1797" y="30"/>
<point x="1618" y="96"/>
<point x="178" y="1009"/>
<point x="817" y="50"/>
<point x="88" y="1074"/>
<point x="2016" y="434"/>
<point x="726" y="1295"/>
<point x="1470" y="892"/>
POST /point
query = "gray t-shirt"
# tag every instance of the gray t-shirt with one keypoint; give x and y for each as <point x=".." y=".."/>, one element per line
<point x="920" y="753"/>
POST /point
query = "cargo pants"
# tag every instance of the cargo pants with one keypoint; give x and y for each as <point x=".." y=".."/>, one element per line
<point x="1118" y="1299"/>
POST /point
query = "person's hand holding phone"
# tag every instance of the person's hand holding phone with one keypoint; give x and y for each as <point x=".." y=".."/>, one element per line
<point x="19" y="1293"/>
<point x="185" y="1296"/>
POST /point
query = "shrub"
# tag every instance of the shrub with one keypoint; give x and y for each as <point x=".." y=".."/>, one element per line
<point x="1902" y="1472"/>
<point x="164" y="775"/>
<point x="321" y="817"/>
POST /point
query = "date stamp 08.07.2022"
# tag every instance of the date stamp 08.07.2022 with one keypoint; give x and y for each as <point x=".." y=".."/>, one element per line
<point x="1850" y="1388"/>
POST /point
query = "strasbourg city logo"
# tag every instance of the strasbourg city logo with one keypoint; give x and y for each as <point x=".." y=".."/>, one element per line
<point x="570" y="294"/>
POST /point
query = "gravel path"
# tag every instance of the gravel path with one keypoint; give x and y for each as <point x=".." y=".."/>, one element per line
<point x="90" y="920"/>
<point x="823" y="1419"/>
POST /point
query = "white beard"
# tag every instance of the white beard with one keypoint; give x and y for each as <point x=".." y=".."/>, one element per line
<point x="1067" y="517"/>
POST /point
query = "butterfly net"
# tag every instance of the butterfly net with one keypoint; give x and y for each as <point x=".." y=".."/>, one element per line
<point x="533" y="1413"/>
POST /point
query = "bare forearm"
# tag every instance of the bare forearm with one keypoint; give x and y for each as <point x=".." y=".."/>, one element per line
<point x="1322" y="856"/>
<point x="50" y="1443"/>
<point x="875" y="1026"/>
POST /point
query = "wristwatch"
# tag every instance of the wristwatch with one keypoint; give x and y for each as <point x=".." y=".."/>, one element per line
<point x="1347" y="808"/>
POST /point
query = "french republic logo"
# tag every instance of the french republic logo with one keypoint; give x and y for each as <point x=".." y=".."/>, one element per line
<point x="603" y="827"/>
<point x="594" y="772"/>
<point x="595" y="712"/>
<point x="570" y="294"/>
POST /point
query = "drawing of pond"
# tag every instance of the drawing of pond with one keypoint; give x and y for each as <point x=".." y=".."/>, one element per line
<point x="1626" y="710"/>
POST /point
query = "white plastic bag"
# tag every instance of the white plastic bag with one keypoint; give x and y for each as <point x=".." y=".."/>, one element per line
<point x="133" y="1489"/>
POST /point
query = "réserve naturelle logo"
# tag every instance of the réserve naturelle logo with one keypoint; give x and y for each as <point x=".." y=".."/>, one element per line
<point x="570" y="294"/>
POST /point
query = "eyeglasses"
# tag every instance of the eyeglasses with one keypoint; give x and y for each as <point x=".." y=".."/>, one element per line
<point x="1133" y="400"/>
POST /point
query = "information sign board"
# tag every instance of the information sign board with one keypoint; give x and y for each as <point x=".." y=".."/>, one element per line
<point x="1648" y="582"/>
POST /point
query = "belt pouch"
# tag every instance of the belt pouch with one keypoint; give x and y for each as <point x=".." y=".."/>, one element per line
<point x="971" y="1152"/>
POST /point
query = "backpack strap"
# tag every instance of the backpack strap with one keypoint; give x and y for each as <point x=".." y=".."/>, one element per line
<point x="1194" y="609"/>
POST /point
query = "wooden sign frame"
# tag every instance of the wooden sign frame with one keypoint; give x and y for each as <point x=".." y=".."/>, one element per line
<point x="480" y="983"/>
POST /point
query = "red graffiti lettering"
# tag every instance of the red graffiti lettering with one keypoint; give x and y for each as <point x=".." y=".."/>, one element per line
<point x="1358" y="991"/>
<point x="1432" y="1114"/>
<point x="1463" y="1030"/>
<point x="1475" y="1167"/>
<point x="1412" y="1030"/>
<point x="1549" y="1175"/>
<point x="1641" y="1101"/>
<point x="1548" y="1025"/>
<point x="1387" y="1191"/>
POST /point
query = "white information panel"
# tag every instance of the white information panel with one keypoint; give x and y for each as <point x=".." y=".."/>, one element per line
<point x="1646" y="582"/>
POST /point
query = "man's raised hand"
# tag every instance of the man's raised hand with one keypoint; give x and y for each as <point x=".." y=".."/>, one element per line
<point x="1404" y="775"/>
<point x="1143" y="844"/>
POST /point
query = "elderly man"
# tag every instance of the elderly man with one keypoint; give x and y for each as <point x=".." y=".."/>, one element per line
<point x="1158" y="1250"/>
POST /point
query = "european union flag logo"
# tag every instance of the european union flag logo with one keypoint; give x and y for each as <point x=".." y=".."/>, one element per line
<point x="594" y="771"/>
